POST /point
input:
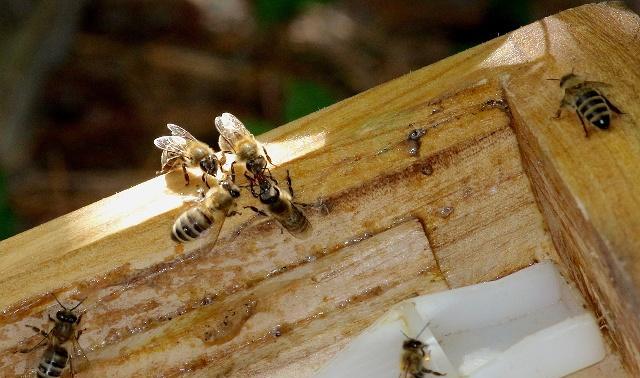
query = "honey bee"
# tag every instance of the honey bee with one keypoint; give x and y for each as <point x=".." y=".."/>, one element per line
<point x="56" y="355"/>
<point x="279" y="204"/>
<point x="181" y="149"/>
<point x="210" y="212"/>
<point x="589" y="103"/>
<point x="234" y="137"/>
<point x="415" y="357"/>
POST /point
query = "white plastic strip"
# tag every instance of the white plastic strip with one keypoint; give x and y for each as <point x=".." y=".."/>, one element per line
<point x="528" y="324"/>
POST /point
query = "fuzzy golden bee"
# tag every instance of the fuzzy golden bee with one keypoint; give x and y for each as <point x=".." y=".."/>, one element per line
<point x="62" y="346"/>
<point x="210" y="212"/>
<point x="415" y="357"/>
<point x="587" y="100"/>
<point x="279" y="204"/>
<point x="235" y="138"/>
<point x="181" y="149"/>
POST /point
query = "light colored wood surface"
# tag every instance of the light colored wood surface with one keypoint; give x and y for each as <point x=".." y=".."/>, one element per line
<point x="477" y="220"/>
<point x="589" y="188"/>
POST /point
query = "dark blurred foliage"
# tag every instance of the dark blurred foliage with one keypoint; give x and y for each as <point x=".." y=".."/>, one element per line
<point x="131" y="66"/>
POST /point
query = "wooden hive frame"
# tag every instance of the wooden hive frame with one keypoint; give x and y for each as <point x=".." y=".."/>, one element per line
<point x="495" y="186"/>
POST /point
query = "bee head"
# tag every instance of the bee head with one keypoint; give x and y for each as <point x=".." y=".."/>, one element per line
<point x="66" y="316"/>
<point x="416" y="134"/>
<point x="209" y="164"/>
<point x="412" y="344"/>
<point x="268" y="193"/>
<point x="256" y="165"/>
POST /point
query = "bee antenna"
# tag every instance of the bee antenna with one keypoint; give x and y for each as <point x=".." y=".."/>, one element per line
<point x="56" y="298"/>
<point x="405" y="335"/>
<point x="423" y="329"/>
<point x="79" y="303"/>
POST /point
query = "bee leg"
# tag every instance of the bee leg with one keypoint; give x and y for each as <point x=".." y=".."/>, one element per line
<point x="289" y="184"/>
<point x="429" y="371"/>
<point x="267" y="156"/>
<point x="71" y="370"/>
<point x="45" y="337"/>
<point x="559" y="112"/>
<point x="206" y="182"/>
<point x="584" y="127"/>
<point x="256" y="210"/>
<point x="270" y="176"/>
<point x="37" y="330"/>
<point x="233" y="171"/>
<point x="252" y="185"/>
<point x="186" y="175"/>
<point x="613" y="107"/>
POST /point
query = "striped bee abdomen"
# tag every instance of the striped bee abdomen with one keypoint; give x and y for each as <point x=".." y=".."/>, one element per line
<point x="53" y="362"/>
<point x="296" y="223"/>
<point x="190" y="225"/>
<point x="592" y="107"/>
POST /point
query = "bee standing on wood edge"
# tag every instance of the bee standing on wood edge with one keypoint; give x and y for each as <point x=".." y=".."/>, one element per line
<point x="587" y="100"/>
<point x="56" y="356"/>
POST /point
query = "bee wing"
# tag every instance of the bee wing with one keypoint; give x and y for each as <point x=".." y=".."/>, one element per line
<point x="78" y="357"/>
<point x="179" y="131"/>
<point x="175" y="144"/>
<point x="218" y="220"/>
<point x="169" y="161"/>
<point x="31" y="362"/>
<point x="231" y="130"/>
<point x="596" y="84"/>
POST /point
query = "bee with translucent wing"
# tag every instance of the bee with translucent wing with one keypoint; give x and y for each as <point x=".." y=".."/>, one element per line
<point x="415" y="358"/>
<point x="279" y="204"/>
<point x="235" y="138"/>
<point x="208" y="214"/>
<point x="56" y="355"/>
<point x="181" y="149"/>
<point x="587" y="100"/>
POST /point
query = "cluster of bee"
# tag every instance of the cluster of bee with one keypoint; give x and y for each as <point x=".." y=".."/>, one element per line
<point x="181" y="150"/>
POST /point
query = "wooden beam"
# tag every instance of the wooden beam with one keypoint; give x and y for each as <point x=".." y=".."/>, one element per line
<point x="588" y="188"/>
<point x="459" y="211"/>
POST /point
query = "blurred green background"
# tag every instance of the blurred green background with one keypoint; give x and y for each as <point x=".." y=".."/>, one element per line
<point x="87" y="85"/>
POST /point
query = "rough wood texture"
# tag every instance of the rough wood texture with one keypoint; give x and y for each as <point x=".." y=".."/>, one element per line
<point x="588" y="188"/>
<point x="390" y="225"/>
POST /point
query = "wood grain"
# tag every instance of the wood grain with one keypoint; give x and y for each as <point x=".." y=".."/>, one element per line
<point x="589" y="188"/>
<point x="460" y="212"/>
